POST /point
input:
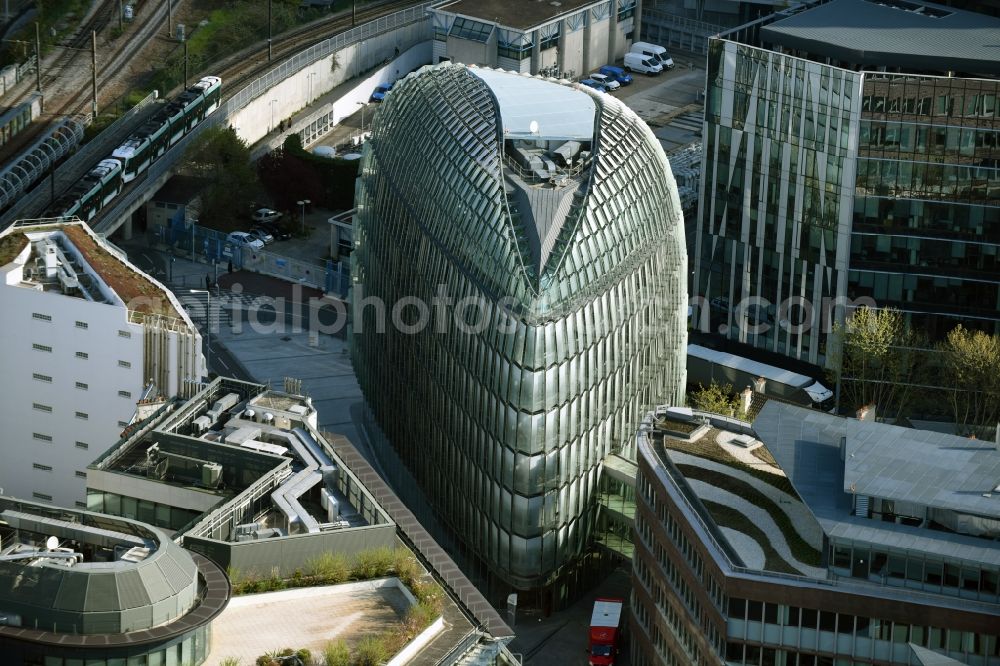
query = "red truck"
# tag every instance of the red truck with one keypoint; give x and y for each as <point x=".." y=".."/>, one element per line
<point x="605" y="629"/>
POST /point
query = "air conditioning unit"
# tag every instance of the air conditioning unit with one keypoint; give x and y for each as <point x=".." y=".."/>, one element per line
<point x="211" y="474"/>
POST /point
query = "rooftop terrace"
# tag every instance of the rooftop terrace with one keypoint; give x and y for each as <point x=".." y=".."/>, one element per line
<point x="69" y="259"/>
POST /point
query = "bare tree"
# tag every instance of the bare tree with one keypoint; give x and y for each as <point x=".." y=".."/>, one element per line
<point x="875" y="360"/>
<point x="972" y="370"/>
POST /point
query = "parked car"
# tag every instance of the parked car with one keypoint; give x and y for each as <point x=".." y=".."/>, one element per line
<point x="654" y="51"/>
<point x="605" y="81"/>
<point x="616" y="73"/>
<point x="637" y="62"/>
<point x="276" y="230"/>
<point x="262" y="234"/>
<point x="265" y="215"/>
<point x="243" y="240"/>
<point x="380" y="90"/>
<point x="591" y="83"/>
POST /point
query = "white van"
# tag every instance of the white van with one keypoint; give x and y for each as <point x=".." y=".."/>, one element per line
<point x="658" y="53"/>
<point x="637" y="62"/>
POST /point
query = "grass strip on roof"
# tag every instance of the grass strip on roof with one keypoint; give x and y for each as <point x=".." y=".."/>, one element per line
<point x="800" y="548"/>
<point x="133" y="287"/>
<point x="706" y="447"/>
<point x="11" y="246"/>
<point x="725" y="516"/>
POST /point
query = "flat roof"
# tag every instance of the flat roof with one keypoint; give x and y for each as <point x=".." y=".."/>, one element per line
<point x="899" y="33"/>
<point x="518" y="14"/>
<point x="930" y="468"/>
<point x="306" y="617"/>
<point x="560" y="111"/>
<point x="806" y="445"/>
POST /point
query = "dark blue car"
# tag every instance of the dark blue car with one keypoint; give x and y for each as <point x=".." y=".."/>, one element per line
<point x="616" y="73"/>
<point x="380" y="91"/>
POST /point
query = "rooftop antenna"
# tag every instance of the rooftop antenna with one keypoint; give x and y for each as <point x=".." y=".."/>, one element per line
<point x="533" y="127"/>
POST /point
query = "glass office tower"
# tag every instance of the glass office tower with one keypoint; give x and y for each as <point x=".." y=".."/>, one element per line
<point x="521" y="241"/>
<point x="841" y="166"/>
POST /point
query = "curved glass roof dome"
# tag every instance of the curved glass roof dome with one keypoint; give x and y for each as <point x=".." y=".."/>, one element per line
<point x="105" y="575"/>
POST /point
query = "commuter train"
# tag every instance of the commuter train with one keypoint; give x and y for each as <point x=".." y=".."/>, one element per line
<point x="143" y="147"/>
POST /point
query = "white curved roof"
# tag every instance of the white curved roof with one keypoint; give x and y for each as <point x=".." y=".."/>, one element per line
<point x="562" y="112"/>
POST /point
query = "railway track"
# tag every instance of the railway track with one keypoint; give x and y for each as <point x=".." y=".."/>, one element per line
<point x="236" y="70"/>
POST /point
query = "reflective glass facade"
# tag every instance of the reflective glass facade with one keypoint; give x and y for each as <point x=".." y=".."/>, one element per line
<point x="926" y="227"/>
<point x="564" y="323"/>
<point x="820" y="182"/>
<point x="776" y="200"/>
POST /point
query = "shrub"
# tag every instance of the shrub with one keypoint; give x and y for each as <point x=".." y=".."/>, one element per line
<point x="330" y="568"/>
<point x="371" y="651"/>
<point x="423" y="614"/>
<point x="372" y="563"/>
<point x="405" y="565"/>
<point x="231" y="661"/>
<point x="337" y="653"/>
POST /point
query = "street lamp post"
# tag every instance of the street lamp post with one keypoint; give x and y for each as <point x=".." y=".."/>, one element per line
<point x="303" y="203"/>
<point x="271" y="126"/>
<point x="208" y="326"/>
<point x="363" y="106"/>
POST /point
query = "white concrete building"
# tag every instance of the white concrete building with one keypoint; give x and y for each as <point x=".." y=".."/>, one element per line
<point x="573" y="37"/>
<point x="82" y="335"/>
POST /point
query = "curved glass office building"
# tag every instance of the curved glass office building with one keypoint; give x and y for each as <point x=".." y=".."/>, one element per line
<point x="519" y="302"/>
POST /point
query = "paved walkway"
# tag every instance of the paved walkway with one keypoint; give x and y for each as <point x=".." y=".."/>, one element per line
<point x="803" y="520"/>
<point x="760" y="518"/>
<point x="749" y="550"/>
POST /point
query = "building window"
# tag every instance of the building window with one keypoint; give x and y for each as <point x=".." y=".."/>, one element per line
<point x="124" y="334"/>
<point x="42" y="496"/>
<point x="124" y="364"/>
<point x="82" y="324"/>
<point x="82" y="386"/>
<point x="82" y="445"/>
<point x="125" y="394"/>
<point x="41" y="408"/>
<point x="475" y="31"/>
<point x="41" y="378"/>
<point x="44" y="348"/>
<point x="81" y="474"/>
<point x="42" y="438"/>
<point x="82" y="355"/>
<point x="82" y="415"/>
<point x="40" y="316"/>
<point x="44" y="468"/>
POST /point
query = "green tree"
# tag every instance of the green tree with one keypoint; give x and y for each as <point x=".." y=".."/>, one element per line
<point x="223" y="159"/>
<point x="718" y="399"/>
<point x="876" y="357"/>
<point x="972" y="371"/>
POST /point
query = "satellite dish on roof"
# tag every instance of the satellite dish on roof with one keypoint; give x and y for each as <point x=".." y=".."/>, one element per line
<point x="52" y="543"/>
<point x="533" y="127"/>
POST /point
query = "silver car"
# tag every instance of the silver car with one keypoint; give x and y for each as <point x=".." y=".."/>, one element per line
<point x="606" y="81"/>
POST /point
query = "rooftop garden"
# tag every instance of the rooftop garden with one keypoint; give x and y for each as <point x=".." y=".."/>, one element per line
<point x="725" y="516"/>
<point x="11" y="246"/>
<point x="334" y="568"/>
<point x="801" y="550"/>
<point x="133" y="287"/>
<point x="706" y="447"/>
